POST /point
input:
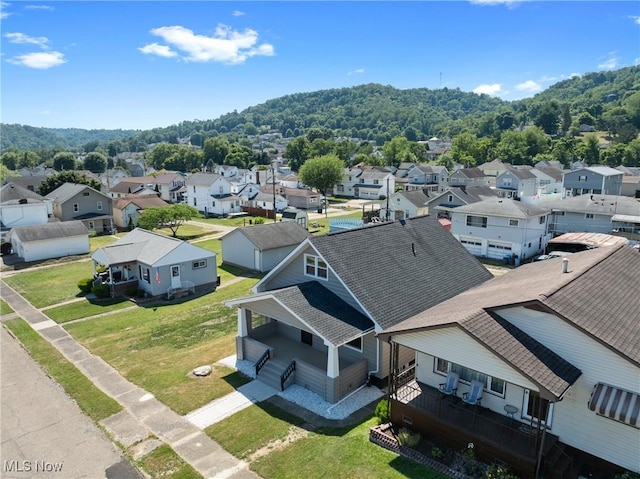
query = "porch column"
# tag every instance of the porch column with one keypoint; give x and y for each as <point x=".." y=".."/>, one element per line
<point x="242" y="323"/>
<point x="333" y="362"/>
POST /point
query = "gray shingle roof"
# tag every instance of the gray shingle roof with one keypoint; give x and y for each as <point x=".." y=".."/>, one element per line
<point x="501" y="207"/>
<point x="416" y="197"/>
<point x="60" y="229"/>
<point x="599" y="296"/>
<point x="520" y="173"/>
<point x="12" y="192"/>
<point x="597" y="204"/>
<point x="399" y="269"/>
<point x="205" y="179"/>
<point x="274" y="235"/>
<point x="321" y="309"/>
<point x="472" y="172"/>
<point x="69" y="190"/>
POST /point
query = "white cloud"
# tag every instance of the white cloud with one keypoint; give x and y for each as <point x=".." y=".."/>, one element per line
<point x="39" y="60"/>
<point x="226" y="45"/>
<point x="157" y="49"/>
<point x="529" y="86"/>
<point x="636" y="61"/>
<point x="45" y="112"/>
<point x="237" y="13"/>
<point x="357" y="71"/>
<point x="635" y="19"/>
<point x="508" y="3"/>
<point x="493" y="89"/>
<point x="4" y="14"/>
<point x="610" y="63"/>
<point x="39" y="7"/>
<point x="16" y="37"/>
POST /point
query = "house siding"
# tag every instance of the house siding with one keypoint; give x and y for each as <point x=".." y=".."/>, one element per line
<point x="571" y="222"/>
<point x="594" y="183"/>
<point x="293" y="274"/>
<point x="573" y="422"/>
<point x="238" y="250"/>
<point x="52" y="248"/>
<point x="24" y="215"/>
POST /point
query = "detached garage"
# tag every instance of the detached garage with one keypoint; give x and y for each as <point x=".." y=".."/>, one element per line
<point x="262" y="247"/>
<point x="50" y="240"/>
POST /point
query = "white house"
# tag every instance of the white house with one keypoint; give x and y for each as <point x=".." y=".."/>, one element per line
<point x="49" y="240"/>
<point x="211" y="194"/>
<point x="516" y="183"/>
<point x="554" y="346"/>
<point x="156" y="264"/>
<point x="367" y="182"/>
<point x="405" y="204"/>
<point x="20" y="206"/>
<point x="127" y="210"/>
<point x="497" y="228"/>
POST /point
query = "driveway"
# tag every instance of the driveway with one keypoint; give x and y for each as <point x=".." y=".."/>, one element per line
<point x="44" y="433"/>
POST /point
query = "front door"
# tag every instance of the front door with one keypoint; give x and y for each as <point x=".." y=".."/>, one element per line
<point x="175" y="276"/>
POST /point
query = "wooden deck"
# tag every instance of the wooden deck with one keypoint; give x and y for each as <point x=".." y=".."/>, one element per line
<point x="496" y="438"/>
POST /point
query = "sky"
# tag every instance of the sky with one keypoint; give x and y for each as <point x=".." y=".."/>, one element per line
<point x="146" y="64"/>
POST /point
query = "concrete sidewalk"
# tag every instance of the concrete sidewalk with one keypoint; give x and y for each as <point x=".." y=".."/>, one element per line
<point x="143" y="415"/>
<point x="246" y="395"/>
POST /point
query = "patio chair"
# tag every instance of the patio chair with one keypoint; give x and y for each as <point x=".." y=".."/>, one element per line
<point x="450" y="386"/>
<point x="474" y="396"/>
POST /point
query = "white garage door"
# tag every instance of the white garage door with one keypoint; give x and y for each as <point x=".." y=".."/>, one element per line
<point x="498" y="249"/>
<point x="473" y="245"/>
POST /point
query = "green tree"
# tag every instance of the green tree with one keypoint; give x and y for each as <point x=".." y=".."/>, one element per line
<point x="322" y="173"/>
<point x="216" y="150"/>
<point x="95" y="162"/>
<point x="321" y="147"/>
<point x="464" y="149"/>
<point x="589" y="150"/>
<point x="512" y="148"/>
<point x="10" y="159"/>
<point x="6" y="173"/>
<point x="64" y="160"/>
<point x="171" y="217"/>
<point x="297" y="152"/>
<point x="549" y="118"/>
<point x="398" y="150"/>
<point x="28" y="159"/>
<point x="614" y="155"/>
<point x="56" y="180"/>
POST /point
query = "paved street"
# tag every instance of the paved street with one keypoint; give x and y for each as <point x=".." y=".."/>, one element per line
<point x="44" y="431"/>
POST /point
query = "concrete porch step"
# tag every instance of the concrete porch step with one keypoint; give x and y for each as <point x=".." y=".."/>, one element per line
<point x="270" y="373"/>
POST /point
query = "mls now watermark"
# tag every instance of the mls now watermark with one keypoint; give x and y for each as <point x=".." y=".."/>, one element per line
<point x="31" y="466"/>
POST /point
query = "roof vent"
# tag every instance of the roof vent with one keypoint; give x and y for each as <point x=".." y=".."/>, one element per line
<point x="565" y="265"/>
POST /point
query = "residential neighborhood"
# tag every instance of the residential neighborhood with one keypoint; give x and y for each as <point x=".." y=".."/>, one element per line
<point x="410" y="285"/>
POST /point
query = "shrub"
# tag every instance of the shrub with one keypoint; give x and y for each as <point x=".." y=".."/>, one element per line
<point x="131" y="290"/>
<point x="382" y="411"/>
<point x="93" y="233"/>
<point x="498" y="472"/>
<point x="101" y="291"/>
<point x="408" y="438"/>
<point x="85" y="285"/>
<point x="259" y="221"/>
<point x="436" y="452"/>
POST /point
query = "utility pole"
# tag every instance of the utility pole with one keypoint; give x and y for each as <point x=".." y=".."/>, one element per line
<point x="387" y="216"/>
<point x="273" y="181"/>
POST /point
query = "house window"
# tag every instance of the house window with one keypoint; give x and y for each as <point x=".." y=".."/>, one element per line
<point x="194" y="188"/>
<point x="86" y="193"/>
<point x="195" y="202"/>
<point x="513" y="222"/>
<point x="316" y="267"/>
<point x="506" y="182"/>
<point x="76" y="208"/>
<point x="477" y="221"/>
<point x="340" y="188"/>
<point x="258" y="320"/>
<point x="376" y="182"/>
<point x="91" y="225"/>
<point x="582" y="178"/>
<point x="221" y="189"/>
<point x="200" y="264"/>
<point x="543" y="220"/>
<point x="589" y="216"/>
<point x="145" y="275"/>
<point x="492" y="385"/>
<point x="355" y="344"/>
<point x="99" y="205"/>
<point x="450" y="199"/>
<point x="361" y="180"/>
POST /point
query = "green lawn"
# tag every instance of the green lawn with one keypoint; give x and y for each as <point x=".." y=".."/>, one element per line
<point x="187" y="231"/>
<point x="232" y="222"/>
<point x="163" y="462"/>
<point x="47" y="286"/>
<point x="96" y="242"/>
<point x="252" y="428"/>
<point x="5" y="308"/>
<point x="340" y="453"/>
<point x="86" y="308"/>
<point x="156" y="347"/>
<point x="96" y="404"/>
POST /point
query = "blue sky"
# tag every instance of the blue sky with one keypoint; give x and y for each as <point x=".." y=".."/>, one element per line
<point x="146" y="64"/>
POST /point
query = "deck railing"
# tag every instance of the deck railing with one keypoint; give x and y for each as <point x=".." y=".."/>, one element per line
<point x="286" y="373"/>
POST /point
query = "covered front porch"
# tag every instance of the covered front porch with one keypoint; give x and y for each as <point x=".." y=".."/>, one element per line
<point x="119" y="277"/>
<point x="284" y="354"/>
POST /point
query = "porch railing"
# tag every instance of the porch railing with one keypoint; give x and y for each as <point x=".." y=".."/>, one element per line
<point x="262" y="361"/>
<point x="287" y="373"/>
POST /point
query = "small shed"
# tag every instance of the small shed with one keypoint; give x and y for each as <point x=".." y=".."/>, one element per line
<point x="294" y="214"/>
<point x="49" y="240"/>
<point x="262" y="247"/>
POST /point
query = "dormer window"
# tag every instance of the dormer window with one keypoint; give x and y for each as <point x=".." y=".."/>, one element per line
<point x="315" y="266"/>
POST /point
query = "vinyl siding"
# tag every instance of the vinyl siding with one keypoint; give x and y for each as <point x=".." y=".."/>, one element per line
<point x="238" y="250"/>
<point x="574" y="423"/>
<point x="53" y="248"/>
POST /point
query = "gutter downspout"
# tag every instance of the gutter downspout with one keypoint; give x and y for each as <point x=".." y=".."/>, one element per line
<point x="367" y="383"/>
